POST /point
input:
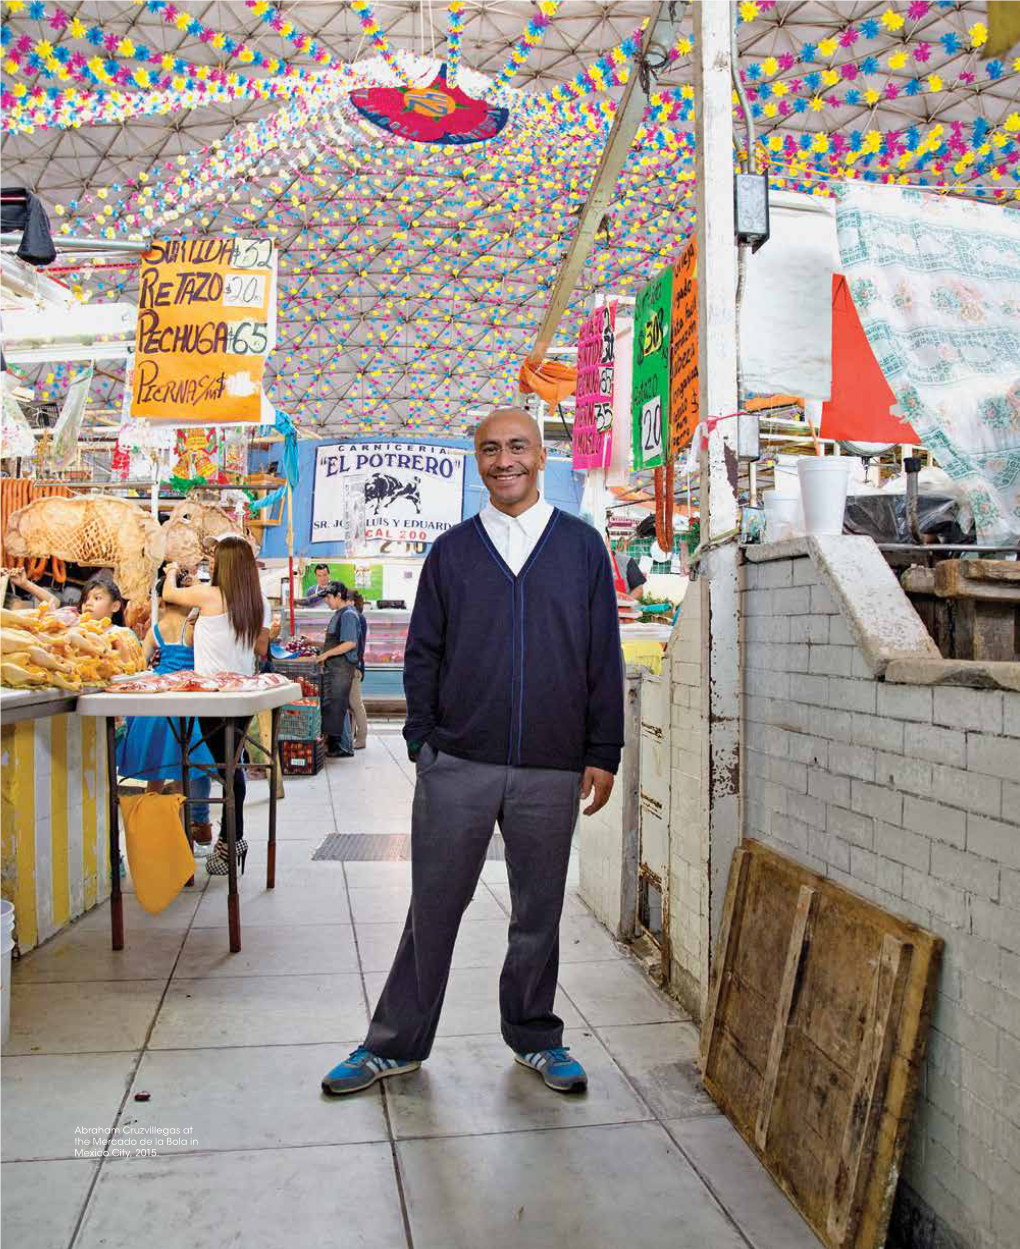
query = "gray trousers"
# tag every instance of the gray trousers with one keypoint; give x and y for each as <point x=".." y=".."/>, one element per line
<point x="456" y="806"/>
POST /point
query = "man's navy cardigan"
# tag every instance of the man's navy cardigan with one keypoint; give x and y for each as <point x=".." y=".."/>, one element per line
<point x="523" y="671"/>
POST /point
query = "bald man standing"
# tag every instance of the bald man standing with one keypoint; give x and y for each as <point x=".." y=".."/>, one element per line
<point x="514" y="685"/>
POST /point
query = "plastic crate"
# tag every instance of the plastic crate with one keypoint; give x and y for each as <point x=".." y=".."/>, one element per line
<point x="306" y="670"/>
<point x="301" y="721"/>
<point x="303" y="758"/>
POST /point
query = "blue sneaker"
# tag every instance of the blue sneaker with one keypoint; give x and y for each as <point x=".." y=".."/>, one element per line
<point x="361" y="1070"/>
<point x="557" y="1069"/>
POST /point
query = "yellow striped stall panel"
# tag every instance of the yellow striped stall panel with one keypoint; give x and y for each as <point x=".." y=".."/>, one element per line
<point x="53" y="789"/>
<point x="90" y="809"/>
<point x="61" y="730"/>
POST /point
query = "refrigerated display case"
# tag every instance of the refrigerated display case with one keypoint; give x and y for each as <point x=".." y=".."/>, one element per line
<point x="384" y="651"/>
<point x="387" y="637"/>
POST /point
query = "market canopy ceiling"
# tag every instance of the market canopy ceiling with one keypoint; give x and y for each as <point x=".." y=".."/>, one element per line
<point x="414" y="270"/>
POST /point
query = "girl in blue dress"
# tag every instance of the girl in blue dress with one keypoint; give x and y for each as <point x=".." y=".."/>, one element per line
<point x="149" y="751"/>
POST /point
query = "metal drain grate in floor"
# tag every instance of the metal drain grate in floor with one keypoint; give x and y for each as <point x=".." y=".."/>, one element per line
<point x="381" y="848"/>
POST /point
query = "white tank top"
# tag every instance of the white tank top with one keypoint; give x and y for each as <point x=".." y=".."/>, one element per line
<point x="217" y="647"/>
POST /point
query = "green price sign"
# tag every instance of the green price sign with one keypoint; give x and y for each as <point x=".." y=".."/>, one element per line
<point x="650" y="396"/>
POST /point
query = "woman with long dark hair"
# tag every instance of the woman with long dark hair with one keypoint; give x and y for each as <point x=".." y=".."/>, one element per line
<point x="150" y="750"/>
<point x="231" y="630"/>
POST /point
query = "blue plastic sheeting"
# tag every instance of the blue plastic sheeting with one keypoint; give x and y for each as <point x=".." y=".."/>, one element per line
<point x="563" y="488"/>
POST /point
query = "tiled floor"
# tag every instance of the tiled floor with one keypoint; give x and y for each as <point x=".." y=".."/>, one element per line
<point x="471" y="1151"/>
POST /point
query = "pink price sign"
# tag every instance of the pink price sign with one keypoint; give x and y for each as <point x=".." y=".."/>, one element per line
<point x="593" y="398"/>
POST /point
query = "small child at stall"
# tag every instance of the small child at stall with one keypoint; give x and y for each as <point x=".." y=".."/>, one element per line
<point x="100" y="596"/>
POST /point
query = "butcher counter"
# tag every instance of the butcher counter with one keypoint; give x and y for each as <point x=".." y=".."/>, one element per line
<point x="58" y="842"/>
<point x="54" y="805"/>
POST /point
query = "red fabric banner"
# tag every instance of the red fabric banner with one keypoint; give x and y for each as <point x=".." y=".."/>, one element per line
<point x="861" y="397"/>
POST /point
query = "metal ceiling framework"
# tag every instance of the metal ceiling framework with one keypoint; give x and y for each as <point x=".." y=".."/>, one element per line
<point x="413" y="278"/>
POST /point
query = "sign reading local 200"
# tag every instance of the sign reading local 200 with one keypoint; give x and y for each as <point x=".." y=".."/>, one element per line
<point x="413" y="492"/>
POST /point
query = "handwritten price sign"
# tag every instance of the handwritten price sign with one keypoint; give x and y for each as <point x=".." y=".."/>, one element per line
<point x="684" y="383"/>
<point x="650" y="395"/>
<point x="206" y="323"/>
<point x="593" y="399"/>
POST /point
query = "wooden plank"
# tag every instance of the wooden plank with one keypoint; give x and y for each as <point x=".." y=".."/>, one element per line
<point x="986" y="631"/>
<point x="791" y="971"/>
<point x="917" y="580"/>
<point x="991" y="570"/>
<point x="731" y="906"/>
<point x="852" y="1162"/>
<point x="954" y="580"/>
<point x="818" y="1065"/>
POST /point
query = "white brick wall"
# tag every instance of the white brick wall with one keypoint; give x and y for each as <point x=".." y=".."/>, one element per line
<point x="910" y="796"/>
<point x="688" y="831"/>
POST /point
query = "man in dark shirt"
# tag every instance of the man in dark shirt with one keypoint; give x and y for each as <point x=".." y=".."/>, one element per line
<point x="514" y="685"/>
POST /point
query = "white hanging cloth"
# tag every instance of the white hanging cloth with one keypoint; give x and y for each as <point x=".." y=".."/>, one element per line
<point x="786" y="316"/>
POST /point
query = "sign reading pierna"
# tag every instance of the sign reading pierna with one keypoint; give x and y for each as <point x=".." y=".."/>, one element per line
<point x="412" y="492"/>
<point x="206" y="323"/>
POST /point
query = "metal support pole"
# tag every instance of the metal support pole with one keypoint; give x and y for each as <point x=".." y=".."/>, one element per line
<point x="184" y="729"/>
<point x="602" y="192"/>
<point x="631" y="781"/>
<point x="116" y="897"/>
<point x="274" y="765"/>
<point x="717" y="365"/>
<point x="230" y="750"/>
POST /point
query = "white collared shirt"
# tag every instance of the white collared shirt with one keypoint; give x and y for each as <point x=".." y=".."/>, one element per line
<point x="515" y="537"/>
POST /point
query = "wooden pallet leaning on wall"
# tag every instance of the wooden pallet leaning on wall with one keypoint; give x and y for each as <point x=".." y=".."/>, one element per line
<point x="814" y="1037"/>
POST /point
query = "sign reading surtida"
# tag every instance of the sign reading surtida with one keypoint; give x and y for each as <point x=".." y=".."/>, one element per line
<point x="412" y="492"/>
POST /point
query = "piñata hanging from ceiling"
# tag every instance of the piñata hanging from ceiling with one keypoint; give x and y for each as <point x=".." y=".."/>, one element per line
<point x="437" y="113"/>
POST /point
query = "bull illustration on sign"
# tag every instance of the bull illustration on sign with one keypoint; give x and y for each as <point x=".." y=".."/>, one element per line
<point x="384" y="488"/>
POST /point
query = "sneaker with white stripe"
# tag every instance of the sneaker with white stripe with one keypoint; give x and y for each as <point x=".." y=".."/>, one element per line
<point x="557" y="1068"/>
<point x="361" y="1069"/>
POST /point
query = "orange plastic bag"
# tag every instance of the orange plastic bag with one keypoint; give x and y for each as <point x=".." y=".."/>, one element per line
<point x="158" y="853"/>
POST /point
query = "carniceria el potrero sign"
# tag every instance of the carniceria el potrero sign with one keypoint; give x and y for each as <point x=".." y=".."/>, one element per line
<point x="413" y="492"/>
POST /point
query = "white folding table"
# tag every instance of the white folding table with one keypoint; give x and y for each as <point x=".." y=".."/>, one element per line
<point x="182" y="711"/>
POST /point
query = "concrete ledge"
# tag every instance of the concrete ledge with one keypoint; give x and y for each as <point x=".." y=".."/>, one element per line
<point x="880" y="617"/>
<point x="878" y="613"/>
<point x="763" y="553"/>
<point x="975" y="673"/>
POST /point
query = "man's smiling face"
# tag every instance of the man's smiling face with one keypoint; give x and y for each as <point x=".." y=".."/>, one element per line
<point x="510" y="456"/>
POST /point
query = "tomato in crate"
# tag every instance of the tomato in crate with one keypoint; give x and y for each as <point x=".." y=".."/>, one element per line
<point x="302" y="758"/>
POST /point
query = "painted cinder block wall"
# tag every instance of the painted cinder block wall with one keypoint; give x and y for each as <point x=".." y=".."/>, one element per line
<point x="908" y="794"/>
<point x="689" y="937"/>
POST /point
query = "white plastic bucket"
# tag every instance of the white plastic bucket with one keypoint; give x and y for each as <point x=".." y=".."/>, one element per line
<point x="782" y="516"/>
<point x="6" y="945"/>
<point x="823" y="486"/>
<point x="786" y="477"/>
